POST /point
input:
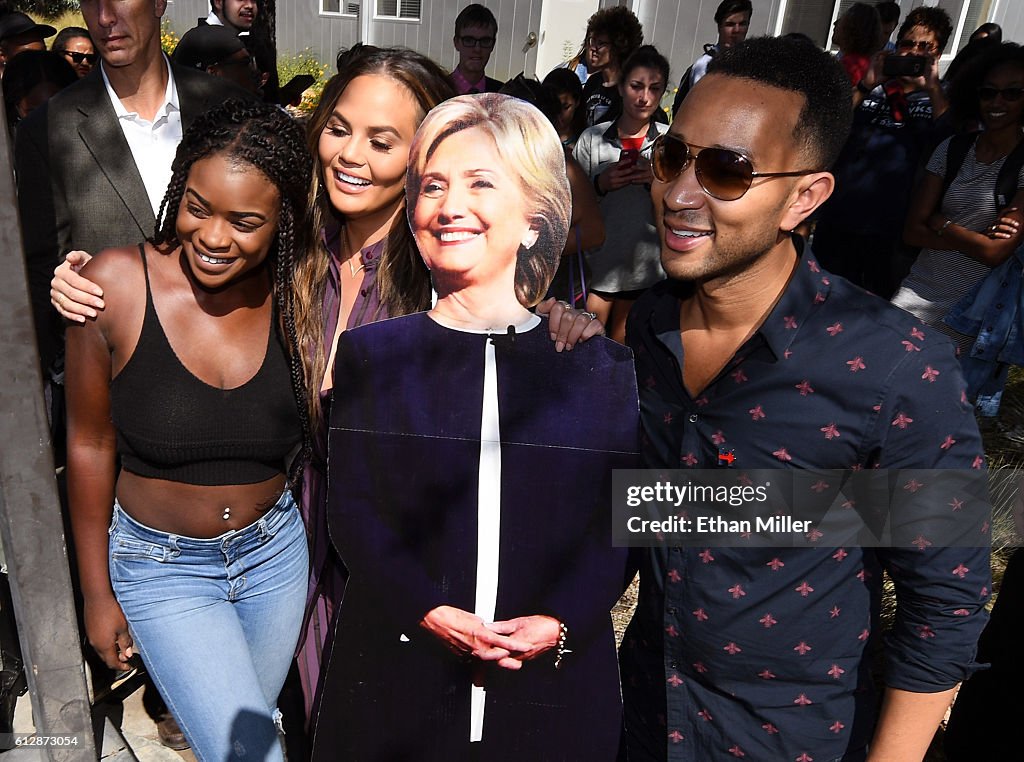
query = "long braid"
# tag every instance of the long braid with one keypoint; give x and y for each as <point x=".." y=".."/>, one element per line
<point x="164" y="231"/>
<point x="286" y="311"/>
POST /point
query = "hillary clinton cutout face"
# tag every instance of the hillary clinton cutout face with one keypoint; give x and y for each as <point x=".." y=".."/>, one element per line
<point x="470" y="217"/>
<point x="487" y="195"/>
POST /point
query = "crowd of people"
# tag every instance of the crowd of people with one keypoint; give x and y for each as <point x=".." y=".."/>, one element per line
<point x="340" y="412"/>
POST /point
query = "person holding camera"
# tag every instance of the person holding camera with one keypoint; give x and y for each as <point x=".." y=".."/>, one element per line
<point x="898" y="106"/>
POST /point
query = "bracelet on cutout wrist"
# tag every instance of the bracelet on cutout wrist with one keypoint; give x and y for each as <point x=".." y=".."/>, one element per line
<point x="561" y="650"/>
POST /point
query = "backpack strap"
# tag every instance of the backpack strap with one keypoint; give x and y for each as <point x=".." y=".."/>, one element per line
<point x="1006" y="182"/>
<point x="956" y="152"/>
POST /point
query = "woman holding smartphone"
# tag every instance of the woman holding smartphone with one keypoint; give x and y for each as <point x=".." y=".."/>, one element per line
<point x="616" y="155"/>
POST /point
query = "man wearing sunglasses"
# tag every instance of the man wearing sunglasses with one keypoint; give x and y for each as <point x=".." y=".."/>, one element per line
<point x="751" y="356"/>
<point x="476" y="30"/>
<point x="75" y="44"/>
<point x="896" y="125"/>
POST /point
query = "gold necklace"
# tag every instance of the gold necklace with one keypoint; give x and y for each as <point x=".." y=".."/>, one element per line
<point x="351" y="265"/>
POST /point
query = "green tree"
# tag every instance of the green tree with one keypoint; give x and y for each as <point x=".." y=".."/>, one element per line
<point x="40" y="8"/>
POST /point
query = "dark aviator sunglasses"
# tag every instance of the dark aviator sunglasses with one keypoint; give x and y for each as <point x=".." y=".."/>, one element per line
<point x="1010" y="94"/>
<point x="89" y="58"/>
<point x="722" y="173"/>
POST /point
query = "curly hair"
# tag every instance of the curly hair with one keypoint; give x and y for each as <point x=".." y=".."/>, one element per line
<point x="964" y="103"/>
<point x="532" y="152"/>
<point x="265" y="138"/>
<point x="402" y="282"/>
<point x="934" y="19"/>
<point x="621" y="27"/>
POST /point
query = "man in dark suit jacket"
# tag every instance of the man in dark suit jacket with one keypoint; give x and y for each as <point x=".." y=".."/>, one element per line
<point x="80" y="186"/>
<point x="92" y="165"/>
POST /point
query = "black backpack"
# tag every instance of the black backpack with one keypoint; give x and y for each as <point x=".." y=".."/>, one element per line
<point x="1006" y="182"/>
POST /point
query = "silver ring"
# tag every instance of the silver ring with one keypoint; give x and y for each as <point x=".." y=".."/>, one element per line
<point x="591" y="315"/>
<point x="565" y="305"/>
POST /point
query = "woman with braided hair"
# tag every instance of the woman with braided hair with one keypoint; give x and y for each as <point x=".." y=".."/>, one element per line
<point x="194" y="557"/>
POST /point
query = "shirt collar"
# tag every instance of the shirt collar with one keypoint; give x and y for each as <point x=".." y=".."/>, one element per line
<point x="370" y="255"/>
<point x="808" y="288"/>
<point x="170" y="96"/>
<point x="214" y="20"/>
<point x="463" y="85"/>
<point x="611" y="135"/>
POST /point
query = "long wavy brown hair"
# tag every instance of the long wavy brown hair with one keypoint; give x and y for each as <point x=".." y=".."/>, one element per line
<point x="402" y="282"/>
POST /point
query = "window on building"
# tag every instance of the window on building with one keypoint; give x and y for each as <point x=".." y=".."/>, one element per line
<point x="339" y="7"/>
<point x="967" y="16"/>
<point x="407" y="10"/>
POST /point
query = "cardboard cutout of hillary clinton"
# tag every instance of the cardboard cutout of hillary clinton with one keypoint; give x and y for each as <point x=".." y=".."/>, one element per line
<point x="470" y="477"/>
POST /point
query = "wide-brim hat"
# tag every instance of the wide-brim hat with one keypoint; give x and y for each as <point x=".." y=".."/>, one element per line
<point x="16" y="22"/>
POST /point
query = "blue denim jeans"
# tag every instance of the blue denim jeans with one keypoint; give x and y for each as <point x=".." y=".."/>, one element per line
<point x="216" y="622"/>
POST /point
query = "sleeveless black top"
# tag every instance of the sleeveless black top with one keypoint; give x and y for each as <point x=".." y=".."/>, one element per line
<point x="171" y="425"/>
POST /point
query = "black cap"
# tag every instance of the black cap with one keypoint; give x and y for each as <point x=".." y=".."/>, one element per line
<point x="16" y="22"/>
<point x="204" y="46"/>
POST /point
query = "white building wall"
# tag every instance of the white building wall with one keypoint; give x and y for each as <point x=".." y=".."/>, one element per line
<point x="679" y="28"/>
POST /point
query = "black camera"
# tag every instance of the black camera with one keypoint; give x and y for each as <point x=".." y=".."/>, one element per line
<point x="905" y="66"/>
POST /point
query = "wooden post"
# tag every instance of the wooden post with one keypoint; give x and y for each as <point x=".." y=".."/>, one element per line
<point x="30" y="518"/>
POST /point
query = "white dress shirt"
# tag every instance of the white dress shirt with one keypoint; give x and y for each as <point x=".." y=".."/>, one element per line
<point x="152" y="143"/>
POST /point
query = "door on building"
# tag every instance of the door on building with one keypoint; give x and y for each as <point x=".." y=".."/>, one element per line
<point x="519" y="35"/>
<point x="563" y="24"/>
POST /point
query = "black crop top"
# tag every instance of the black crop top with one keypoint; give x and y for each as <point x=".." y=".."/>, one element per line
<point x="171" y="425"/>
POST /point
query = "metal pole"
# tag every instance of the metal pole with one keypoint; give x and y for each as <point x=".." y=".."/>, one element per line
<point x="30" y="519"/>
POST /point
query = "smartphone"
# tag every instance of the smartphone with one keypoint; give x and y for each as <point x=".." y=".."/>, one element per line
<point x="905" y="66"/>
<point x="632" y="154"/>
